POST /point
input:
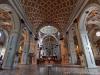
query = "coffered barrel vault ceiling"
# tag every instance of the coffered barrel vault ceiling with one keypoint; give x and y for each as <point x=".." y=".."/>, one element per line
<point x="55" y="12"/>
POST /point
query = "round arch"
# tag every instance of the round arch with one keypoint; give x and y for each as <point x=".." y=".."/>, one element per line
<point x="14" y="17"/>
<point x="90" y="62"/>
<point x="50" y="46"/>
<point x="51" y="36"/>
<point x="10" y="53"/>
<point x="84" y="16"/>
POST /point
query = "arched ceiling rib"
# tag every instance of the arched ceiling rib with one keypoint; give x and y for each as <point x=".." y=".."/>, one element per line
<point x="56" y="12"/>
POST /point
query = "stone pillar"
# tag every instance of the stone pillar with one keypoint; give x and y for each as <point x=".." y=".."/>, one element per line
<point x="73" y="56"/>
<point x="63" y="52"/>
<point x="25" y="52"/>
<point x="58" y="51"/>
<point x="35" y="53"/>
<point x="66" y="47"/>
<point x="95" y="52"/>
<point x="87" y="50"/>
<point x="33" y="50"/>
<point x="11" y="51"/>
<point x="83" y="61"/>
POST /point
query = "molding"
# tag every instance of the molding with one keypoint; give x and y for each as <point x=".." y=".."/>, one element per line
<point x="81" y="4"/>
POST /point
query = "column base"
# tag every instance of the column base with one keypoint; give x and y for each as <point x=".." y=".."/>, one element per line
<point x="7" y="67"/>
<point x="91" y="67"/>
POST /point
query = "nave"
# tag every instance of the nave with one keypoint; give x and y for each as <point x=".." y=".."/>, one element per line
<point x="49" y="37"/>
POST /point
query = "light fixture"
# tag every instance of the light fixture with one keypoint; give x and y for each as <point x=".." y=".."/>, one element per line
<point x="77" y="47"/>
<point x="98" y="33"/>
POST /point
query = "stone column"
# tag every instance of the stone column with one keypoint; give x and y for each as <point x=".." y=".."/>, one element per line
<point x="87" y="50"/>
<point x="83" y="61"/>
<point x="25" y="52"/>
<point x="67" y="52"/>
<point x="95" y="52"/>
<point x="63" y="52"/>
<point x="35" y="53"/>
<point x="11" y="51"/>
<point x="73" y="56"/>
<point x="33" y="50"/>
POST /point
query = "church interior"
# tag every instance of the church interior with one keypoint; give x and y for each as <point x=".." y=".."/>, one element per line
<point x="49" y="37"/>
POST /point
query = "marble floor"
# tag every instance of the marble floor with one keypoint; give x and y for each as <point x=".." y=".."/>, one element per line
<point x="50" y="70"/>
